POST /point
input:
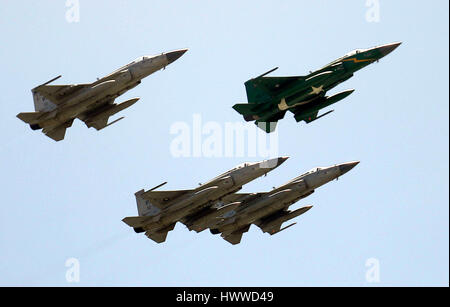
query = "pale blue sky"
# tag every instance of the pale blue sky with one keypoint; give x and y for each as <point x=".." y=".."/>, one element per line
<point x="67" y="199"/>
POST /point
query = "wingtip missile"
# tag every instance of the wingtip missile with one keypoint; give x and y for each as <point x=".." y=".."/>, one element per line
<point x="266" y="73"/>
<point x="326" y="113"/>
<point x="158" y="186"/>
<point x="113" y="122"/>
<point x="50" y="81"/>
<point x="284" y="228"/>
<point x="308" y="118"/>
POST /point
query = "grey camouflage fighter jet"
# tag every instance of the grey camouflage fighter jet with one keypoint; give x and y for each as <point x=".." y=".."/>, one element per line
<point x="159" y="211"/>
<point x="56" y="106"/>
<point x="270" y="210"/>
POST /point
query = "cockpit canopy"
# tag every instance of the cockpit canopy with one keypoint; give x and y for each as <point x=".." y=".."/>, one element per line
<point x="353" y="52"/>
<point x="314" y="170"/>
<point x="242" y="165"/>
<point x="141" y="58"/>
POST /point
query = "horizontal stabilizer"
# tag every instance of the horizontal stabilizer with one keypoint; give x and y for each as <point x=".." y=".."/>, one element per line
<point x="135" y="221"/>
<point x="29" y="117"/>
<point x="246" y="108"/>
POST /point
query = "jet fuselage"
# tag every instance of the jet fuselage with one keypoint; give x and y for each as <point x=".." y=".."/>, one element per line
<point x="56" y="106"/>
<point x="257" y="209"/>
<point x="193" y="206"/>
<point x="270" y="97"/>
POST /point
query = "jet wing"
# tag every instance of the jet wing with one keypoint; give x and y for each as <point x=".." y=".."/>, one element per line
<point x="240" y="197"/>
<point x="47" y="97"/>
<point x="299" y="116"/>
<point x="276" y="228"/>
<point x="262" y="89"/>
<point x="99" y="123"/>
<point x="272" y="223"/>
<point x="98" y="118"/>
<point x="56" y="93"/>
<point x="273" y="228"/>
<point x="162" y="199"/>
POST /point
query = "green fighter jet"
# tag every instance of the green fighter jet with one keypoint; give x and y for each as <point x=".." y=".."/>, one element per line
<point x="269" y="98"/>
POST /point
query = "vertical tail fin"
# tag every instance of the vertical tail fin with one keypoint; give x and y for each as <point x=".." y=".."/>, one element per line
<point x="145" y="208"/>
<point x="41" y="102"/>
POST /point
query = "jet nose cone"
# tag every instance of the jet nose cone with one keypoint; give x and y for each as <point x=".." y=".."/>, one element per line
<point x="386" y="49"/>
<point x="175" y="55"/>
<point x="273" y="163"/>
<point x="345" y="167"/>
<point x="281" y="160"/>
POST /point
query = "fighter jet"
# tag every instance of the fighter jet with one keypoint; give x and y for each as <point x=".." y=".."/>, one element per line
<point x="56" y="106"/>
<point x="269" y="98"/>
<point x="159" y="211"/>
<point x="270" y="210"/>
